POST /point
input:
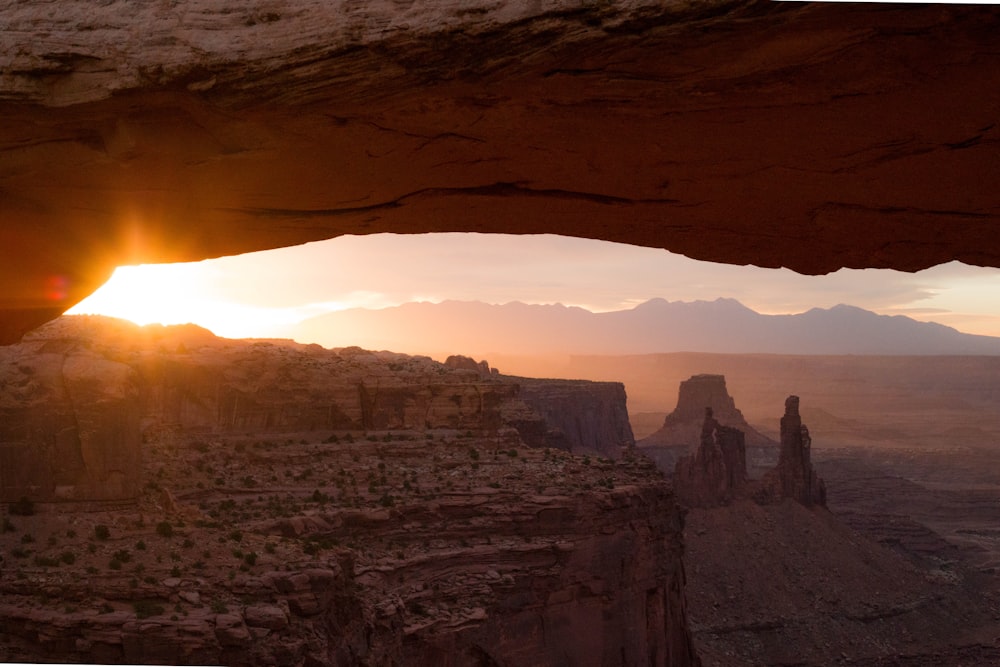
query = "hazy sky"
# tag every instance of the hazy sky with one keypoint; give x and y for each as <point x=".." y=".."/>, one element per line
<point x="252" y="294"/>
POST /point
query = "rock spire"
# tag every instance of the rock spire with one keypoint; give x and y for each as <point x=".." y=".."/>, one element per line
<point x="715" y="474"/>
<point x="794" y="477"/>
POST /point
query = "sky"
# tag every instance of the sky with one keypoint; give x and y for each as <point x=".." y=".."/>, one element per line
<point x="256" y="294"/>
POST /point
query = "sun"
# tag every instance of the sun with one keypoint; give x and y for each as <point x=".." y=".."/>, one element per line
<point x="179" y="294"/>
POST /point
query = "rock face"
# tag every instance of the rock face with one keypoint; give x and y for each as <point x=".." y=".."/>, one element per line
<point x="482" y="368"/>
<point x="69" y="423"/>
<point x="459" y="555"/>
<point x="580" y="415"/>
<point x="794" y="477"/>
<point x="80" y="396"/>
<point x="191" y="129"/>
<point x="716" y="473"/>
<point x="684" y="425"/>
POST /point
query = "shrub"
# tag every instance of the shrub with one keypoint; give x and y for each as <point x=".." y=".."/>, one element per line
<point x="164" y="529"/>
<point x="219" y="607"/>
<point x="23" y="507"/>
<point x="147" y="608"/>
<point x="43" y="561"/>
<point x="67" y="557"/>
<point x="102" y="532"/>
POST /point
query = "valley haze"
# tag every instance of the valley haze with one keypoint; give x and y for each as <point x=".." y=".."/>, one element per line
<point x="658" y="325"/>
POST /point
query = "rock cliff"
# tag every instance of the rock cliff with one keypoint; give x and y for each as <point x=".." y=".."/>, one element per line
<point x="682" y="429"/>
<point x="717" y="472"/>
<point x="69" y="423"/>
<point x="82" y="394"/>
<point x="683" y="426"/>
<point x="358" y="551"/>
<point x="580" y="415"/>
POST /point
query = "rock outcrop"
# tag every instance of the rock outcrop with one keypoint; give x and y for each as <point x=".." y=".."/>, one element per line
<point x="683" y="426"/>
<point x="455" y="554"/>
<point x="717" y="472"/>
<point x="682" y="429"/>
<point x="69" y="423"/>
<point x="481" y="368"/>
<point x="155" y="132"/>
<point x="794" y="477"/>
<point x="81" y="394"/>
<point x="580" y="415"/>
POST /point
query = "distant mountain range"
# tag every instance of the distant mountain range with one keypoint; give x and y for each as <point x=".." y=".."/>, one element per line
<point x="723" y="325"/>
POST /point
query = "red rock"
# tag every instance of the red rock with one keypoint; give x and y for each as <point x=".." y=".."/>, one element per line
<point x="794" y="476"/>
<point x="717" y="472"/>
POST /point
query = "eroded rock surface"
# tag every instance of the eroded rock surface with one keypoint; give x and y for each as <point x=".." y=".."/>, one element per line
<point x="717" y="472"/>
<point x="69" y="423"/>
<point x="794" y="477"/>
<point x="843" y="134"/>
<point x="81" y="394"/>
<point x="683" y="429"/>
<point x="394" y="549"/>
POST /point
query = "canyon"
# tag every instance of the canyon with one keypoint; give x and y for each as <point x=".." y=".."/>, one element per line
<point x="287" y="504"/>
<point x="80" y="395"/>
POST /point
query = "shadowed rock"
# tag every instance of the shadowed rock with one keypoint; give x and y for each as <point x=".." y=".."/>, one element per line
<point x="717" y="472"/>
<point x="794" y="477"/>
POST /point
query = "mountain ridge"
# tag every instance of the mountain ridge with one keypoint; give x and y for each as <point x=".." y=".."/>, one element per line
<point x="654" y="326"/>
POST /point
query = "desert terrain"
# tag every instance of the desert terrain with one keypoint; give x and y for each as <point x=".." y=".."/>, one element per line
<point x="906" y="552"/>
<point x="276" y="503"/>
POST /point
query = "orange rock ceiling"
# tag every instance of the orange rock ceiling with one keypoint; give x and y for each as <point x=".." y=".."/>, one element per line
<point x="811" y="136"/>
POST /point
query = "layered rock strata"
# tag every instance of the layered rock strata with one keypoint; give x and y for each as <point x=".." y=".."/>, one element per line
<point x="683" y="428"/>
<point x="684" y="425"/>
<point x="580" y="415"/>
<point x="80" y="396"/>
<point x="845" y="134"/>
<point x="794" y="477"/>
<point x="455" y="554"/>
<point x="717" y="472"/>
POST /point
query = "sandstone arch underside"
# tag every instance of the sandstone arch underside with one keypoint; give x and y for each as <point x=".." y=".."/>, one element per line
<point x="811" y="136"/>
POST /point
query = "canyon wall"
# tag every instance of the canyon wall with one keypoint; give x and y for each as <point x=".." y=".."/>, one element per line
<point x="581" y="416"/>
<point x="81" y="394"/>
<point x="311" y="551"/>
<point x="69" y="423"/>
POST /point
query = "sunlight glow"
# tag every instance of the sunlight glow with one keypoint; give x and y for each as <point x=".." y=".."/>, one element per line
<point x="265" y="294"/>
<point x="181" y="294"/>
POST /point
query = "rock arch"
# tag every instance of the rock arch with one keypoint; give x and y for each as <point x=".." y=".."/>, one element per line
<point x="811" y="136"/>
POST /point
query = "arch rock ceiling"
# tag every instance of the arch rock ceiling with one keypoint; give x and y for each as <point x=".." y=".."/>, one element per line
<point x="811" y="136"/>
